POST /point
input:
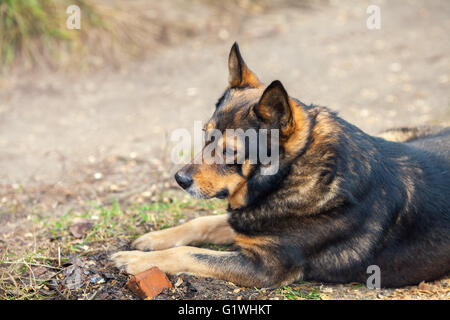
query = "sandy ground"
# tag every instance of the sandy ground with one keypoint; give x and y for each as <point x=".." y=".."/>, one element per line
<point x="376" y="79"/>
<point x="58" y="130"/>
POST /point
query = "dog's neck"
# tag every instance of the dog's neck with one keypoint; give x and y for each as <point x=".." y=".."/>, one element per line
<point x="312" y="182"/>
<point x="259" y="186"/>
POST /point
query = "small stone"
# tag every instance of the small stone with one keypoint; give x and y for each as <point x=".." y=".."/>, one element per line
<point x="98" y="175"/>
<point x="73" y="277"/>
<point x="146" y="194"/>
<point x="224" y="34"/>
<point x="78" y="230"/>
<point x="97" y="280"/>
<point x="133" y="155"/>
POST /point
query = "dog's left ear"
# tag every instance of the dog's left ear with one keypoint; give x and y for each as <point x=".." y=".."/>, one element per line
<point x="274" y="109"/>
<point x="239" y="74"/>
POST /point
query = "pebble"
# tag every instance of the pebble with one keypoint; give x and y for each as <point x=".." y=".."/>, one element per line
<point x="98" y="175"/>
<point x="395" y="67"/>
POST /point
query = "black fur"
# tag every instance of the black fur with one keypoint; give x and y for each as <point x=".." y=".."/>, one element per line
<point x="389" y="208"/>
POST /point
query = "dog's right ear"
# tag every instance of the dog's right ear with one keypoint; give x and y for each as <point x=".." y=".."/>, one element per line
<point x="274" y="108"/>
<point x="239" y="74"/>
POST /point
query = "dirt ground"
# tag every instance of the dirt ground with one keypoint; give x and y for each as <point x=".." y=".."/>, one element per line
<point x="95" y="147"/>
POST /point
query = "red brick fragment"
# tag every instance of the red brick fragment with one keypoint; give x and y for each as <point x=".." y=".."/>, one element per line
<point x="149" y="283"/>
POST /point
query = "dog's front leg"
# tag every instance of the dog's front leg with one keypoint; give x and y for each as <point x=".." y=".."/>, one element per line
<point x="230" y="266"/>
<point x="209" y="229"/>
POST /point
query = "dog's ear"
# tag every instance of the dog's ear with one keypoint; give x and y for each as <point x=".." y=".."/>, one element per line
<point x="239" y="74"/>
<point x="274" y="109"/>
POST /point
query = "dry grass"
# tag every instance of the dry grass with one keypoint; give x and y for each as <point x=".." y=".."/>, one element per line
<point x="31" y="268"/>
<point x="36" y="256"/>
<point x="34" y="32"/>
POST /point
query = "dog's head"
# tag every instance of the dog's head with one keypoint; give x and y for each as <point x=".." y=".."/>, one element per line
<point x="231" y="165"/>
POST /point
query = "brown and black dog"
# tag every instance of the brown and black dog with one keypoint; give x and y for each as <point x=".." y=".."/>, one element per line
<point x="342" y="200"/>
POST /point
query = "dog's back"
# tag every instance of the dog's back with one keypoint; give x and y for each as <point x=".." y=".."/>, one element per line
<point x="421" y="234"/>
<point x="436" y="141"/>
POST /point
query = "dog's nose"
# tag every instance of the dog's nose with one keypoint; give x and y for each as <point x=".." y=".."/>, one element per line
<point x="184" y="180"/>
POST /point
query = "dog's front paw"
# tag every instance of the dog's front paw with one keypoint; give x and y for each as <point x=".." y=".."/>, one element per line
<point x="133" y="262"/>
<point x="158" y="240"/>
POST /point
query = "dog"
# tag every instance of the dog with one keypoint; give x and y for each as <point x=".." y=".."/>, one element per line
<point x="341" y="200"/>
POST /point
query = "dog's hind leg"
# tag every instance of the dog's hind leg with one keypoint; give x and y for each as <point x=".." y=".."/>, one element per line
<point x="407" y="134"/>
<point x="209" y="229"/>
<point x="230" y="266"/>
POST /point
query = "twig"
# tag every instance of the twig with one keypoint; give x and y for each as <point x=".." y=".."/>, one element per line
<point x="28" y="264"/>
<point x="93" y="296"/>
<point x="59" y="292"/>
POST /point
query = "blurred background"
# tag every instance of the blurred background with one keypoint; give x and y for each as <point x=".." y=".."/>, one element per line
<point x="138" y="69"/>
<point x="86" y="115"/>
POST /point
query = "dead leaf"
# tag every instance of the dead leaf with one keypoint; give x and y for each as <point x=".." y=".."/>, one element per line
<point x="79" y="229"/>
<point x="179" y="282"/>
<point x="37" y="271"/>
<point x="74" y="277"/>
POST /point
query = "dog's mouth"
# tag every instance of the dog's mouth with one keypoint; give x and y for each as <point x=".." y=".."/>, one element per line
<point x="196" y="192"/>
<point x="222" y="194"/>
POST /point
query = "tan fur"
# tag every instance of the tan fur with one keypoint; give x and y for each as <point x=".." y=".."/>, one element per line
<point x="238" y="198"/>
<point x="239" y="74"/>
<point x="241" y="96"/>
<point x="172" y="261"/>
<point x="397" y="136"/>
<point x="209" y="229"/>
<point x="210" y="181"/>
<point x="209" y="126"/>
<point x="247" y="242"/>
<point x="249" y="79"/>
<point x="325" y="130"/>
<point x="298" y="133"/>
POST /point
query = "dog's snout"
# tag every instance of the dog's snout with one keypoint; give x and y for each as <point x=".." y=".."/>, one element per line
<point x="183" y="179"/>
